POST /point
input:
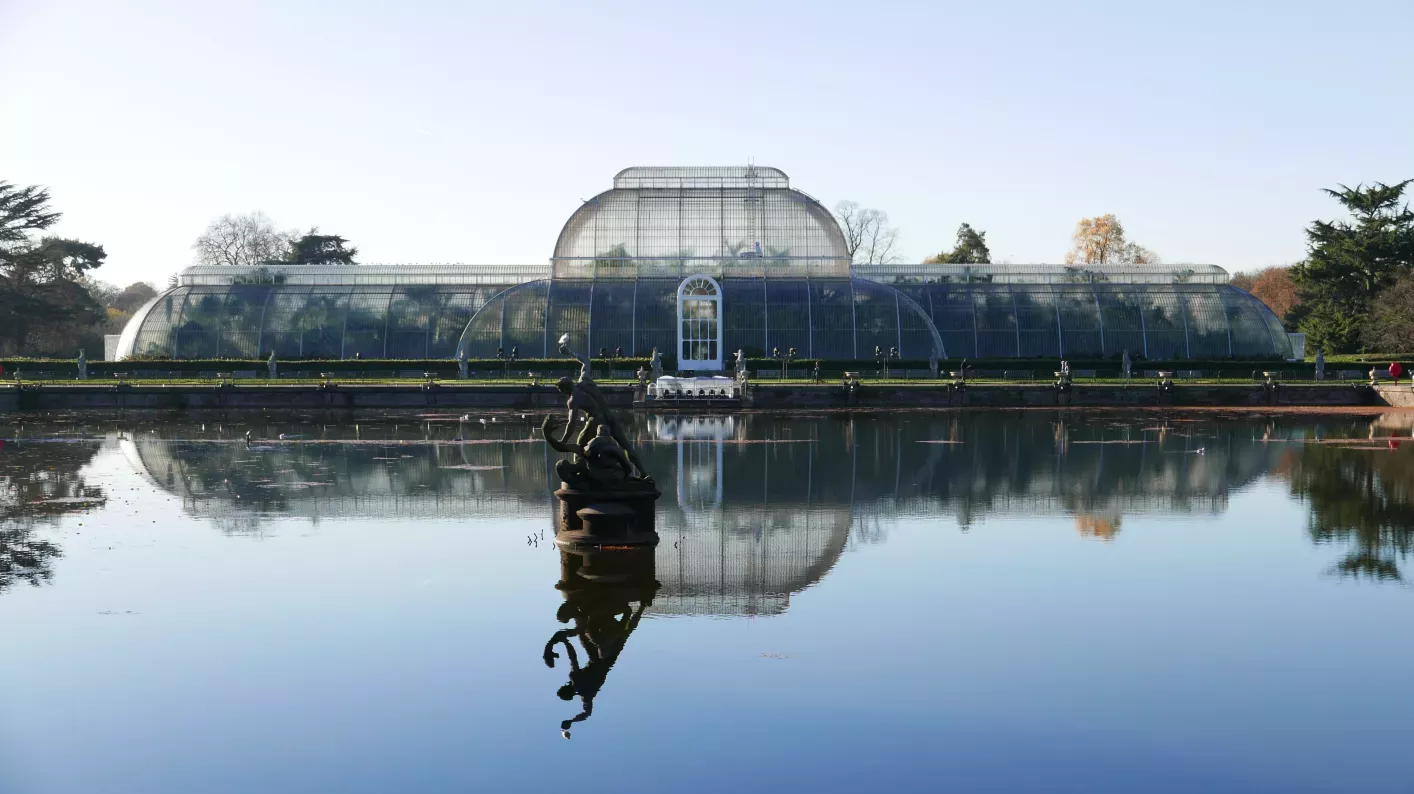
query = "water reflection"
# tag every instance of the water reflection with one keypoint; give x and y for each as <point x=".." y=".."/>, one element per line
<point x="39" y="483"/>
<point x="606" y="594"/>
<point x="755" y="507"/>
<point x="1361" y="498"/>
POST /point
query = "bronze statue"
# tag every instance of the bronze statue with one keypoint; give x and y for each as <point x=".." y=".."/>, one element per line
<point x="599" y="462"/>
<point x="585" y="397"/>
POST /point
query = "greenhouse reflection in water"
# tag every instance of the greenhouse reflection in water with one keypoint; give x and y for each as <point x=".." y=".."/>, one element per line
<point x="787" y="495"/>
<point x="1001" y="584"/>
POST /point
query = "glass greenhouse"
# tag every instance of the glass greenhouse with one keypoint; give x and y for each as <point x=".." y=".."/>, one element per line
<point x="699" y="263"/>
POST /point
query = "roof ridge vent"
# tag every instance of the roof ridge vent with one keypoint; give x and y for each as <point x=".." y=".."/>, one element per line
<point x="714" y="176"/>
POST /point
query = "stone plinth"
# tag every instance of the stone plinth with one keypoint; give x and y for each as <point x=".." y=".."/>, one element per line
<point x="618" y="517"/>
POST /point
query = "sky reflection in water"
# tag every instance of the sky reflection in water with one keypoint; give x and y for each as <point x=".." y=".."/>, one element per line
<point x="1025" y="602"/>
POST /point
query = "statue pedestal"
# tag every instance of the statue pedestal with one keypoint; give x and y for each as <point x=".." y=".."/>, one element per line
<point x="618" y="517"/>
<point x="626" y="573"/>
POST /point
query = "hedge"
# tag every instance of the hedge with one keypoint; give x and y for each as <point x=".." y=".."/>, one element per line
<point x="448" y="369"/>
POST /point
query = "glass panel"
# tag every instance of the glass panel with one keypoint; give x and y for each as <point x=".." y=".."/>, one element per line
<point x="366" y="324"/>
<point x="524" y="322"/>
<point x="1120" y="314"/>
<point x="198" y="332"/>
<point x="727" y="222"/>
<point x="1036" y="321"/>
<point x="699" y="331"/>
<point x="409" y="319"/>
<point x="655" y="224"/>
<point x="744" y="321"/>
<point x="996" y="322"/>
<point x="951" y="308"/>
<point x="321" y="325"/>
<point x="1207" y="322"/>
<point x="451" y="314"/>
<point x="876" y="316"/>
<point x="1252" y="335"/>
<point x="281" y="312"/>
<point x="832" y="319"/>
<point x="787" y="319"/>
<point x="611" y="316"/>
<point x="569" y="314"/>
<point x="915" y="333"/>
<point x="483" y="333"/>
<point x="1164" y="318"/>
<point x="656" y="307"/>
<point x="157" y="337"/>
<point x="243" y="314"/>
<point x="1080" y="321"/>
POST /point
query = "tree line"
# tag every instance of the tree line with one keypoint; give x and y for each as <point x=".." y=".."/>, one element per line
<point x="251" y="240"/>
<point x="49" y="297"/>
<point x="870" y="240"/>
<point x="54" y="305"/>
<point x="1353" y="292"/>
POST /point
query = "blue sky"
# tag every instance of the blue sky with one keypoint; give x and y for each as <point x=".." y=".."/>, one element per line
<point x="444" y="132"/>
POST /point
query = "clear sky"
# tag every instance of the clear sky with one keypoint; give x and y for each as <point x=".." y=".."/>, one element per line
<point x="459" y="132"/>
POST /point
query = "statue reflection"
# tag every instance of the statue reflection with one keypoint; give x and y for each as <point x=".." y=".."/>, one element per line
<point x="606" y="593"/>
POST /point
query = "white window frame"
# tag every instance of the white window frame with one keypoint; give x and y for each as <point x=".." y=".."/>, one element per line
<point x="700" y="364"/>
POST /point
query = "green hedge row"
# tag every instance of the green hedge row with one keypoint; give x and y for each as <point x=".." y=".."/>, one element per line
<point x="333" y="365"/>
<point x="447" y="368"/>
<point x="287" y="367"/>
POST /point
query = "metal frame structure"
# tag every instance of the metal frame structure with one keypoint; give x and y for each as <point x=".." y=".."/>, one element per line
<point x="777" y="258"/>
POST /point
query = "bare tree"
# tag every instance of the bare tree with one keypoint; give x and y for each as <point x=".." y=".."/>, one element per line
<point x="868" y="237"/>
<point x="243" y="241"/>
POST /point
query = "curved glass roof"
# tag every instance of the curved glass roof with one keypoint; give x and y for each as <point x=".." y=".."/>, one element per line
<point x="730" y="214"/>
<point x="1153" y="321"/>
<point x="829" y="318"/>
<point x="701" y="176"/>
<point x="303" y="321"/>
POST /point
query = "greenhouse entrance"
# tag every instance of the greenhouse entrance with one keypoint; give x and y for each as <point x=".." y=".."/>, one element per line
<point x="699" y="325"/>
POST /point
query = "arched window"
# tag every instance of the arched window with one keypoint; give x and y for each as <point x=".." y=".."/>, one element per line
<point x="699" y="324"/>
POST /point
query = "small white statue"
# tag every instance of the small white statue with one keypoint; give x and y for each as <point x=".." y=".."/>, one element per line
<point x="270" y="366"/>
<point x="461" y="363"/>
<point x="1126" y="365"/>
<point x="1320" y="364"/>
<point x="83" y="365"/>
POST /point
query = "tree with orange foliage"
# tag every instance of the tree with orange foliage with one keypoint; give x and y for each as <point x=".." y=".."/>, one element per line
<point x="1101" y="241"/>
<point x="1274" y="287"/>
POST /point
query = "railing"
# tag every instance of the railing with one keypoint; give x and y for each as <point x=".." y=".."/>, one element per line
<point x="901" y="274"/>
<point x="336" y="275"/>
<point x="748" y="266"/>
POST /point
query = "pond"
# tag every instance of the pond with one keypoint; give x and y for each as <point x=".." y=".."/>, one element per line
<point x="990" y="601"/>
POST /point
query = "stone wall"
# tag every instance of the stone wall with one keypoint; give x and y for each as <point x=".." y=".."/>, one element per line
<point x="764" y="396"/>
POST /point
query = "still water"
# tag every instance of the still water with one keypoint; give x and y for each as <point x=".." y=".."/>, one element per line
<point x="970" y="602"/>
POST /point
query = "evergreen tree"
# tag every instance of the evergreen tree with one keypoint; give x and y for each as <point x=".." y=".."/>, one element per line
<point x="321" y="249"/>
<point x="44" y="300"/>
<point x="1350" y="262"/>
<point x="969" y="249"/>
